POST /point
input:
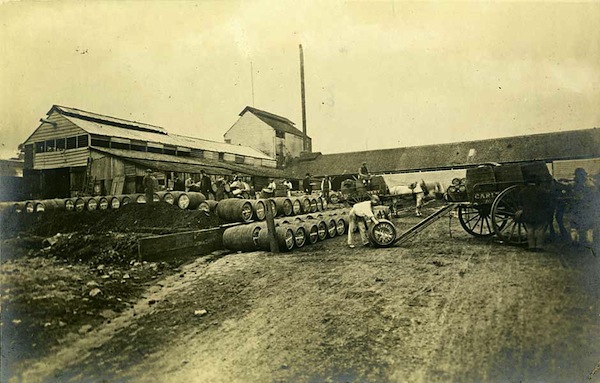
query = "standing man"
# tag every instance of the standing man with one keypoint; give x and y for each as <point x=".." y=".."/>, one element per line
<point x="205" y="183"/>
<point x="363" y="174"/>
<point x="358" y="216"/>
<point x="536" y="212"/>
<point x="149" y="183"/>
<point x="179" y="183"/>
<point x="306" y="184"/>
<point x="288" y="187"/>
<point x="326" y="188"/>
<point x="418" y="195"/>
<point x="582" y="210"/>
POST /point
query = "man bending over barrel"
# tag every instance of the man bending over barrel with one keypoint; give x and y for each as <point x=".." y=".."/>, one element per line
<point x="359" y="215"/>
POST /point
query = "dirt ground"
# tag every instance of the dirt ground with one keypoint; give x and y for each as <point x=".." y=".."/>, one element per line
<point x="444" y="307"/>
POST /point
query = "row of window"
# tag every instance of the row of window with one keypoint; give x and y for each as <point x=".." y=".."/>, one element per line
<point x="102" y="142"/>
<point x="61" y="144"/>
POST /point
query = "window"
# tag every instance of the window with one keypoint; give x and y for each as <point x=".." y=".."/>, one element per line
<point x="280" y="134"/>
<point x="119" y="145"/>
<point x="170" y="150"/>
<point x="60" y="143"/>
<point x="240" y="159"/>
<point x="50" y="145"/>
<point x="221" y="156"/>
<point x="154" y="150"/>
<point x="139" y="148"/>
<point x="228" y="140"/>
<point x="197" y="153"/>
<point x="40" y="147"/>
<point x="82" y="141"/>
<point x="71" y="142"/>
<point x="97" y="141"/>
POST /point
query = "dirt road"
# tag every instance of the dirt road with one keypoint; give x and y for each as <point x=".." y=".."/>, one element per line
<point x="443" y="308"/>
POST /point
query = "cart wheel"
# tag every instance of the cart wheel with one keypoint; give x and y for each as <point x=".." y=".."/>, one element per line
<point x="504" y="220"/>
<point x="476" y="220"/>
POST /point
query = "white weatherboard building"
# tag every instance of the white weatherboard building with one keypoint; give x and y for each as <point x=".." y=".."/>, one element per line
<point x="72" y="148"/>
<point x="273" y="135"/>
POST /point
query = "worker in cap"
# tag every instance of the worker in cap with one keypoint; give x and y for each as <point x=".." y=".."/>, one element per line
<point x="150" y="186"/>
<point x="358" y="217"/>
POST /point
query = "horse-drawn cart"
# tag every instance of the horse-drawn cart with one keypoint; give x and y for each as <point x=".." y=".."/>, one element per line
<point x="488" y="199"/>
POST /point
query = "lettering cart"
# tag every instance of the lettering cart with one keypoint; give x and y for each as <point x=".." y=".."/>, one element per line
<point x="488" y="199"/>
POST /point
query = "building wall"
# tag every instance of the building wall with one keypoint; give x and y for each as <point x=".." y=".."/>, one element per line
<point x="250" y="131"/>
<point x="61" y="159"/>
<point x="64" y="128"/>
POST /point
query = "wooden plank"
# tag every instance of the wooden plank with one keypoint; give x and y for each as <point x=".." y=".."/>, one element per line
<point x="191" y="243"/>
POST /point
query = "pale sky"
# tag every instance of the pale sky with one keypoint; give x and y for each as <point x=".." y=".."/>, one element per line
<point x="378" y="74"/>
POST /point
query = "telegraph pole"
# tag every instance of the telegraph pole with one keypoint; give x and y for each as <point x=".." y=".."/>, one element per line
<point x="304" y="140"/>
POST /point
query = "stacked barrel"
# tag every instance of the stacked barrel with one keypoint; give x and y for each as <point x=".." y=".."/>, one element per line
<point x="184" y="200"/>
<point x="290" y="231"/>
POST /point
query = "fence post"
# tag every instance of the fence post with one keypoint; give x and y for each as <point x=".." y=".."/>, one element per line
<point x="271" y="228"/>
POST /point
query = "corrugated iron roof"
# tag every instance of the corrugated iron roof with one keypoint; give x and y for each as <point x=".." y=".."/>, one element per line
<point x="109" y="130"/>
<point x="276" y="122"/>
<point x="168" y="162"/>
<point x="545" y="147"/>
<point x="64" y="110"/>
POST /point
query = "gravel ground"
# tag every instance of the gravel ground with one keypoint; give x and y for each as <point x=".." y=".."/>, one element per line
<point x="442" y="308"/>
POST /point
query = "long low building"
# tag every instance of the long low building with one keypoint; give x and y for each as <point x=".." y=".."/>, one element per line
<point x="74" y="152"/>
<point x="562" y="151"/>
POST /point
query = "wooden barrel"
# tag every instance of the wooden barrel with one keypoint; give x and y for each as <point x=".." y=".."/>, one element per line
<point x="45" y="205"/>
<point x="331" y="227"/>
<point x="54" y="204"/>
<point x="341" y="225"/>
<point x="114" y="202"/>
<point x="235" y="210"/>
<point x="299" y="234"/>
<point x="168" y="197"/>
<point x="91" y="203"/>
<point x="189" y="200"/>
<point x="312" y="232"/>
<point x="102" y="203"/>
<point x="259" y="211"/>
<point x="212" y="205"/>
<point x="382" y="234"/>
<point x="283" y="206"/>
<point x="79" y="203"/>
<point x="305" y="202"/>
<point x="30" y="206"/>
<point x="296" y="206"/>
<point x="284" y="235"/>
<point x="242" y="238"/>
<point x="204" y="207"/>
<point x="321" y="226"/>
<point x="320" y="204"/>
<point x="313" y="205"/>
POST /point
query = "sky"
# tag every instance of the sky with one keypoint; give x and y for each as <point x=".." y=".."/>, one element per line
<point x="378" y="74"/>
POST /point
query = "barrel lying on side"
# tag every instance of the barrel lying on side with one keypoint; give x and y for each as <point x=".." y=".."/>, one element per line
<point x="284" y="236"/>
<point x="235" y="210"/>
<point x="284" y="207"/>
<point x="259" y="210"/>
<point x="242" y="238"/>
<point x="382" y="234"/>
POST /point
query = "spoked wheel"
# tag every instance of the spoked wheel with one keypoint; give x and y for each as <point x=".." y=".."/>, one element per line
<point x="354" y="199"/>
<point x="505" y="222"/>
<point x="476" y="220"/>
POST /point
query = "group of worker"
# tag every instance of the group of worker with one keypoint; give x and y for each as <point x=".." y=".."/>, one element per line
<point x="542" y="202"/>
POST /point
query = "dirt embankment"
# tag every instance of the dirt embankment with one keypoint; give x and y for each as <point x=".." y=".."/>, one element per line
<point x="64" y="273"/>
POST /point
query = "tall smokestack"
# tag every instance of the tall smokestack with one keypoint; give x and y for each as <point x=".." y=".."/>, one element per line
<point x="304" y="139"/>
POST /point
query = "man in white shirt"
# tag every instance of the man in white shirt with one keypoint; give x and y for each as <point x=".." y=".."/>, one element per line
<point x="359" y="215"/>
<point x="418" y="195"/>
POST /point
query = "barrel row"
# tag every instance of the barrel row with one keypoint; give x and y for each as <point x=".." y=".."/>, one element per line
<point x="248" y="210"/>
<point x="189" y="200"/>
<point x="290" y="233"/>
